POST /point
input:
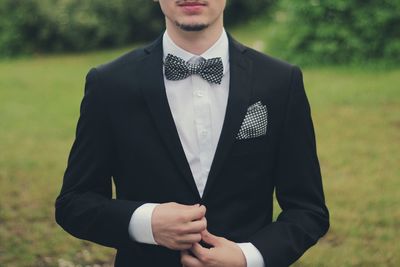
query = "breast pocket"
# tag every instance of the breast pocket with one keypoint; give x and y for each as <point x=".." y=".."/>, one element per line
<point x="249" y="146"/>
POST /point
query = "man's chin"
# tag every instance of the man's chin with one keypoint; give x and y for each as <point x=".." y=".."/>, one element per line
<point x="196" y="27"/>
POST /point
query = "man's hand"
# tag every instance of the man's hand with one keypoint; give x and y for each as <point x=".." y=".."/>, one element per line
<point x="224" y="253"/>
<point x="178" y="226"/>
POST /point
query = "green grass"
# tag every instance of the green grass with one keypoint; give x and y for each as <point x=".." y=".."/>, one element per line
<point x="357" y="120"/>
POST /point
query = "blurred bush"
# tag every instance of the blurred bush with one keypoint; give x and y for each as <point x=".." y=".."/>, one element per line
<point x="28" y="26"/>
<point x="31" y="26"/>
<point x="338" y="31"/>
<point x="238" y="11"/>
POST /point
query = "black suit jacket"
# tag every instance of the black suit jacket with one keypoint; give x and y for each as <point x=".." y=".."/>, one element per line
<point x="126" y="132"/>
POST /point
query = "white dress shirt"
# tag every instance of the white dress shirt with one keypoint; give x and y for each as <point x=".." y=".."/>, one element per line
<point x="198" y="108"/>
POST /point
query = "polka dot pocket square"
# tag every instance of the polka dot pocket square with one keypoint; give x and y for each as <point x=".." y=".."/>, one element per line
<point x="254" y="123"/>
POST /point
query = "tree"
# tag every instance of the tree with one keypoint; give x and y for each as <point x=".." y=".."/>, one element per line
<point x="339" y="31"/>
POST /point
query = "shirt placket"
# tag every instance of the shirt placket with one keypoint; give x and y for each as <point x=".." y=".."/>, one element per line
<point x="202" y="119"/>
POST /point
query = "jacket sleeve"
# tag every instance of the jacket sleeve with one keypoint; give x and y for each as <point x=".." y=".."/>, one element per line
<point x="84" y="207"/>
<point x="298" y="186"/>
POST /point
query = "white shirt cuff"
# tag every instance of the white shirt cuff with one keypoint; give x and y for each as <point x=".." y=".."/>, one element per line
<point x="140" y="224"/>
<point x="252" y="255"/>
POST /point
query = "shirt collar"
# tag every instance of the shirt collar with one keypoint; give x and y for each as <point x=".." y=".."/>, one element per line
<point x="219" y="49"/>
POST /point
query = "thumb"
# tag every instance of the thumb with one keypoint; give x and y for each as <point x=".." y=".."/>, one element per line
<point x="210" y="238"/>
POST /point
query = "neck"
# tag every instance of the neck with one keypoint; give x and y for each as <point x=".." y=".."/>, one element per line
<point x="195" y="42"/>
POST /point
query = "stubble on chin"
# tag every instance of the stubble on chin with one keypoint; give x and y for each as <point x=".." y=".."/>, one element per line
<point x="191" y="27"/>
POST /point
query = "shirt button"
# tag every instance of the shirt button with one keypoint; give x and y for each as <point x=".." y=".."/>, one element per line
<point x="204" y="133"/>
<point x="199" y="93"/>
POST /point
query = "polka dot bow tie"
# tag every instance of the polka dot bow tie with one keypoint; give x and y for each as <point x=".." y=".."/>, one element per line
<point x="210" y="70"/>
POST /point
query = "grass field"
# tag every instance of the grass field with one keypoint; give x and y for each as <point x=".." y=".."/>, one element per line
<point x="357" y="119"/>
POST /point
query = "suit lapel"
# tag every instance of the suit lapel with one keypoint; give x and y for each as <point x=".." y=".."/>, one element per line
<point x="153" y="89"/>
<point x="238" y="101"/>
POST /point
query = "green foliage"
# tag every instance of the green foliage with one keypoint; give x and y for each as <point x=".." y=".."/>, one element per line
<point x="338" y="31"/>
<point x="30" y="26"/>
<point x="238" y="11"/>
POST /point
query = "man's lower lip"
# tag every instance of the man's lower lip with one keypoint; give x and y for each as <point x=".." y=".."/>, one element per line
<point x="192" y="8"/>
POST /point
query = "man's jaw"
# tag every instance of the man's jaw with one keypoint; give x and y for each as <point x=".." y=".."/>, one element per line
<point x="192" y="8"/>
<point x="191" y="27"/>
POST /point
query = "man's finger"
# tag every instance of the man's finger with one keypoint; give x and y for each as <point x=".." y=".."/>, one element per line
<point x="188" y="260"/>
<point x="190" y="238"/>
<point x="195" y="213"/>
<point x="210" y="238"/>
<point x="196" y="226"/>
<point x="184" y="252"/>
<point x="200" y="252"/>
